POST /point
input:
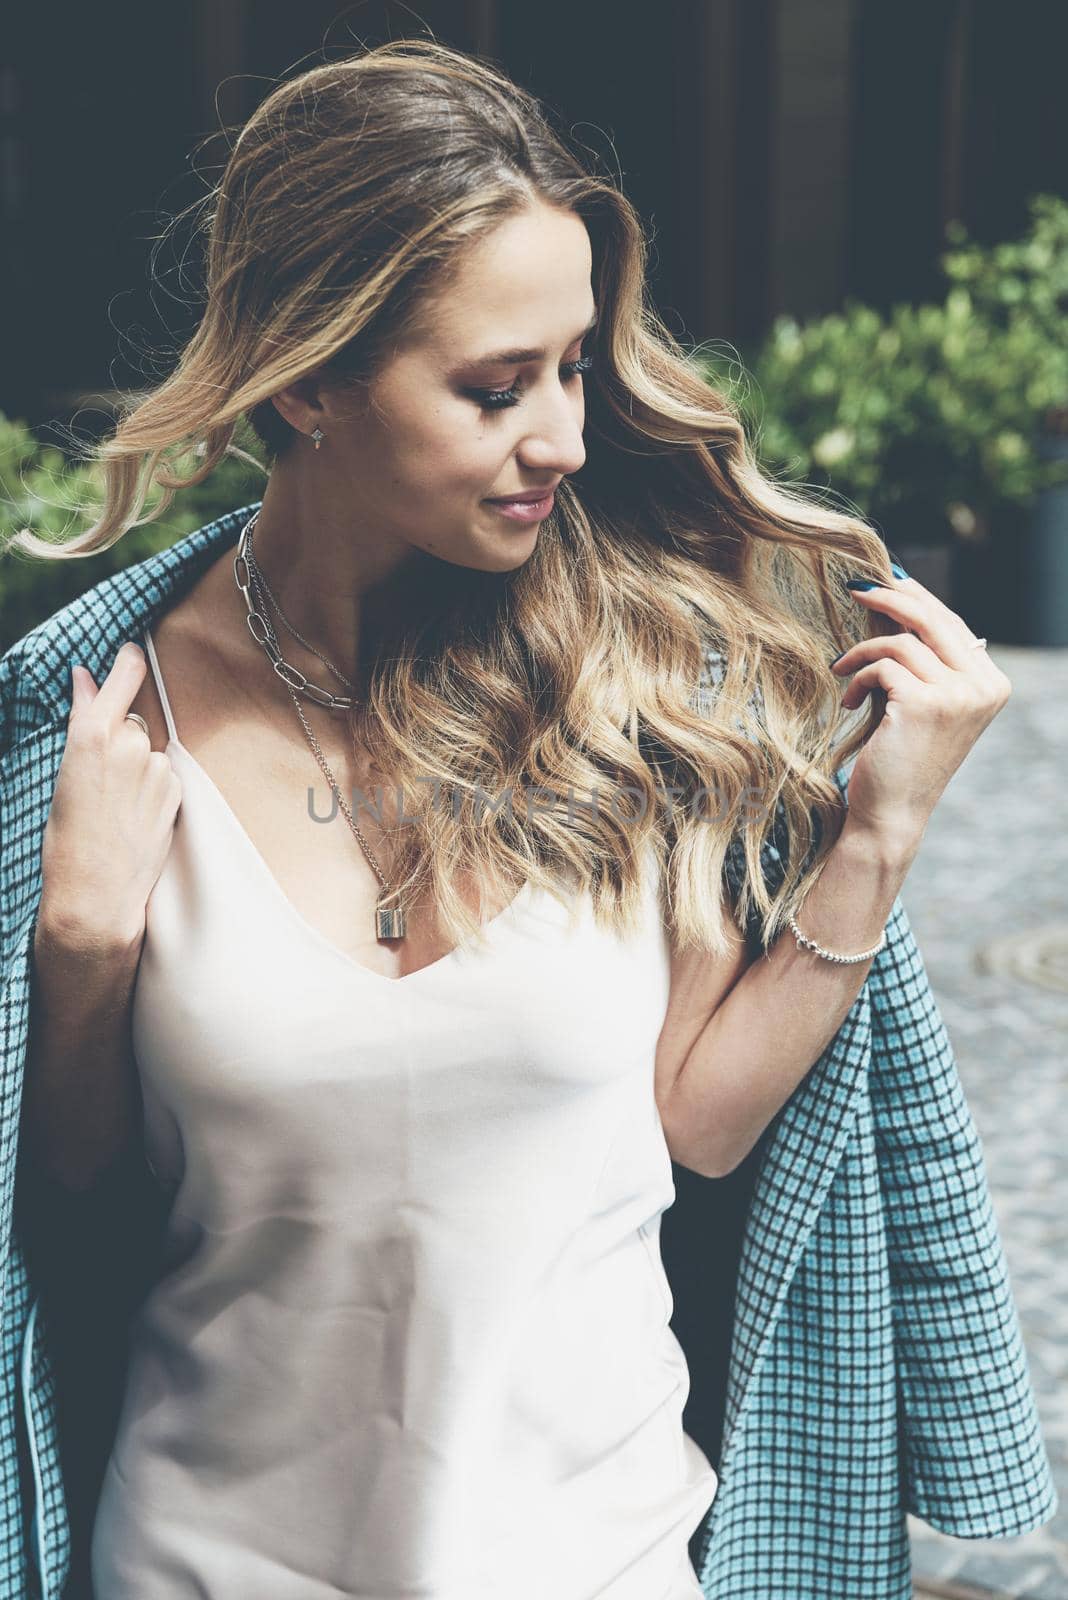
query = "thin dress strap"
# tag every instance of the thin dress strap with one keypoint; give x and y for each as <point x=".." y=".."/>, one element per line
<point x="164" y="701"/>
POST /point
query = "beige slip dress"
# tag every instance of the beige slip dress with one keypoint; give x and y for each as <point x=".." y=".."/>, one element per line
<point x="410" y="1336"/>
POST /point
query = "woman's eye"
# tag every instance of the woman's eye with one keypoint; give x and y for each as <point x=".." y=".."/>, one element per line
<point x="497" y="399"/>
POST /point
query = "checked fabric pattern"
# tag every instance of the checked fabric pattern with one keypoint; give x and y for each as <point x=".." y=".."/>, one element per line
<point x="876" y="1366"/>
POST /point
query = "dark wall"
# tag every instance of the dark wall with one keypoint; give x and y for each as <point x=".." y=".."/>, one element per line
<point x="1016" y="112"/>
<point x="95" y="129"/>
<point x="958" y="113"/>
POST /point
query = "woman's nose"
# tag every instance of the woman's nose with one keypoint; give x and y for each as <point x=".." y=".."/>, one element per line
<point x="558" y="446"/>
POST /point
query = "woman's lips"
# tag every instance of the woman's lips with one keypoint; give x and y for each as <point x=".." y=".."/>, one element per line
<point x="524" y="510"/>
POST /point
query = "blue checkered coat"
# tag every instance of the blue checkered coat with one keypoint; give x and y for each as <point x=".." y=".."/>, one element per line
<point x="876" y="1365"/>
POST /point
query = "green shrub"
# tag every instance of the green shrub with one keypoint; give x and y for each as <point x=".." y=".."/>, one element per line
<point x="928" y="419"/>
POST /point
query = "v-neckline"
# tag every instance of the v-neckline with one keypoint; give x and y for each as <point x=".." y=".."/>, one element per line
<point x="503" y="916"/>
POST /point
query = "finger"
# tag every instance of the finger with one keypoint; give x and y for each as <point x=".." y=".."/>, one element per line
<point x="911" y="651"/>
<point x="136" y="728"/>
<point x="116" y="694"/>
<point x="83" y="691"/>
<point x="898" y="682"/>
<point x="941" y="629"/>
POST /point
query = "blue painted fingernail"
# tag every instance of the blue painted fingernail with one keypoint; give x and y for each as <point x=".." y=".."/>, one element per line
<point x="898" y="571"/>
<point x="843" y="653"/>
<point x="862" y="583"/>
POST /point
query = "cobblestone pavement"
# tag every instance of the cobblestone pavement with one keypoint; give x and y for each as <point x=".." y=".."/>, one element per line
<point x="987" y="896"/>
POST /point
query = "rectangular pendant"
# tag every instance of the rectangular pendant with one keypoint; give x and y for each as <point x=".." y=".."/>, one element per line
<point x="390" y="922"/>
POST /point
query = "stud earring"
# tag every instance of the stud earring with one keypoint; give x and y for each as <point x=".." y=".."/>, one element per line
<point x="318" y="436"/>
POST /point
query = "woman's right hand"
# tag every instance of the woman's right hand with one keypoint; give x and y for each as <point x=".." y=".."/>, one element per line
<point x="112" y="816"/>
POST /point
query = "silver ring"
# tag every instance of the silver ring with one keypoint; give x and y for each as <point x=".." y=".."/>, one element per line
<point x="978" y="644"/>
<point x="135" y="716"/>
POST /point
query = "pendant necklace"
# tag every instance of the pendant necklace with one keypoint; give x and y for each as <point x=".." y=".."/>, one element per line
<point x="390" y="921"/>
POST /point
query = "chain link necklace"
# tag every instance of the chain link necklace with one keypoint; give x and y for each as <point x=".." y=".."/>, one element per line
<point x="390" y="921"/>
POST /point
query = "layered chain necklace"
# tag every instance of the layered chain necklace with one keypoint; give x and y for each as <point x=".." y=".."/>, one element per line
<point x="390" y="922"/>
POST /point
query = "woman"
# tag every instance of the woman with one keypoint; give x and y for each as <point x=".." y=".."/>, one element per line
<point x="409" y="1308"/>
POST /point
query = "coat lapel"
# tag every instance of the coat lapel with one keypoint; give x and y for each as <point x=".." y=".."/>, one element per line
<point x="93" y="628"/>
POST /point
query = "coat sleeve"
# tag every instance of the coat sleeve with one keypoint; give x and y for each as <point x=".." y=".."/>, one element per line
<point x="974" y="1463"/>
<point x="26" y="1479"/>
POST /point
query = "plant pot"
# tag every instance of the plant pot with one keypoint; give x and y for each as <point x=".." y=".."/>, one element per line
<point x="986" y="584"/>
<point x="1044" y="558"/>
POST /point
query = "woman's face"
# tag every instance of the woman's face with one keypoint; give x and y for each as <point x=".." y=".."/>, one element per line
<point x="422" y="464"/>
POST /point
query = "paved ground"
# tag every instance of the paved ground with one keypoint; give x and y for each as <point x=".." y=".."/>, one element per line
<point x="987" y="897"/>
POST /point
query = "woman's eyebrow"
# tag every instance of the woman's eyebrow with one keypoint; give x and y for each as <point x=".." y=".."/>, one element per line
<point x="507" y="357"/>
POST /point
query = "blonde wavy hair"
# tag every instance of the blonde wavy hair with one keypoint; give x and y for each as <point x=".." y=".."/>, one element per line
<point x="670" y="637"/>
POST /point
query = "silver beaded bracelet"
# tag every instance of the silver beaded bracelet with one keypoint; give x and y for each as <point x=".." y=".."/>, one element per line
<point x="829" y="955"/>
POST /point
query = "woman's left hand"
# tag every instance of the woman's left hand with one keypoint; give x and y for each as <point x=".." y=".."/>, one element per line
<point x="941" y="693"/>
